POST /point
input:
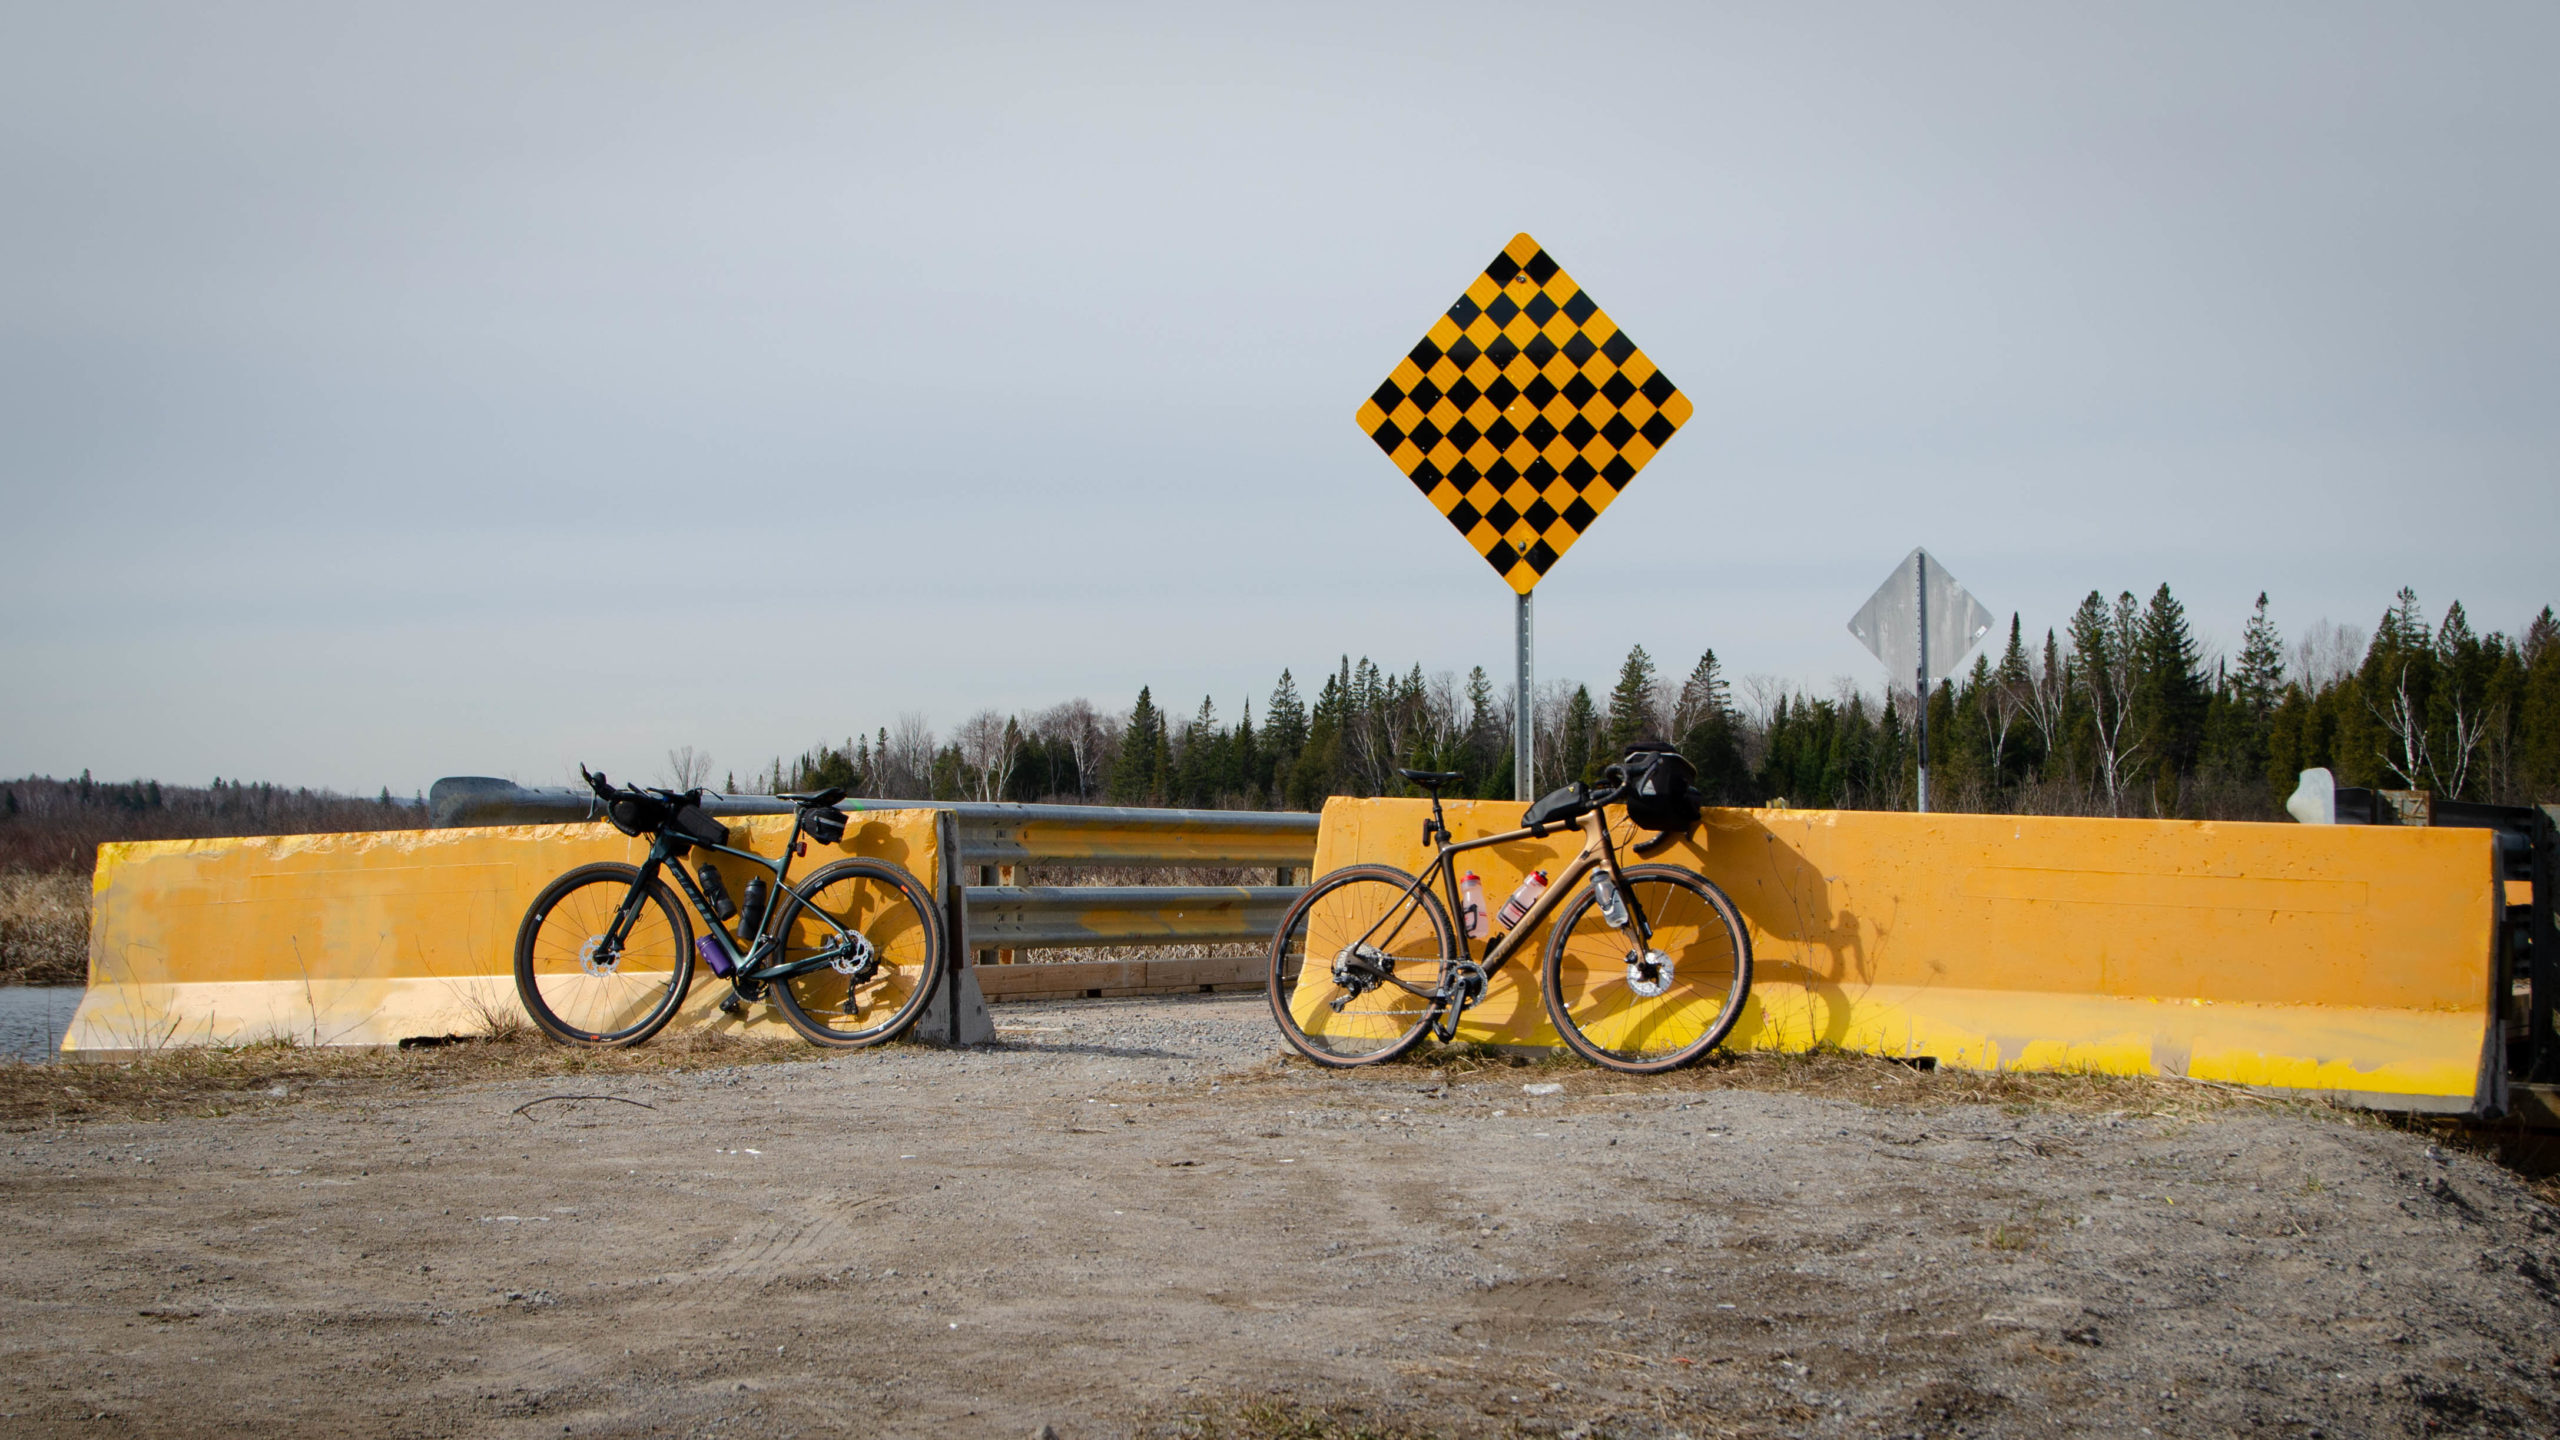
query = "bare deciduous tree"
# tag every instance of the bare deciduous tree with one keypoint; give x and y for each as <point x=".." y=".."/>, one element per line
<point x="989" y="743"/>
<point x="2104" y="659"/>
<point x="2326" y="654"/>
<point x="687" y="768"/>
<point x="1088" y="738"/>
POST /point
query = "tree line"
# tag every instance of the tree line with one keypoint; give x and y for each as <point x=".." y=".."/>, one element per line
<point x="2117" y="711"/>
<point x="57" y="825"/>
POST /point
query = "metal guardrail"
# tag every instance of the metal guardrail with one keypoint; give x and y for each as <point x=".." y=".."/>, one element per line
<point x="988" y="834"/>
<point x="1049" y="917"/>
<point x="1114" y="835"/>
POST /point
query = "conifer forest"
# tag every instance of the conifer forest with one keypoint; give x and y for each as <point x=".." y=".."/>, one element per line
<point x="2117" y="711"/>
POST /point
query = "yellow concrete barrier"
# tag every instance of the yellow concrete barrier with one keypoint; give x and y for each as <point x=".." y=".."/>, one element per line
<point x="370" y="939"/>
<point x="2346" y="960"/>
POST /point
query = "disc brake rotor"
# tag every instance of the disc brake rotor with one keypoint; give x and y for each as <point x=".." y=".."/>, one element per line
<point x="1648" y="974"/>
<point x="588" y="961"/>
<point x="859" y="959"/>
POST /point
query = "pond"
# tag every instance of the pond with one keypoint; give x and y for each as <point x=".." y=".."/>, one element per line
<point x="33" y="1019"/>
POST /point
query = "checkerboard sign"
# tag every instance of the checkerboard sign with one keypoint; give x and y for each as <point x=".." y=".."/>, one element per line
<point x="1523" y="413"/>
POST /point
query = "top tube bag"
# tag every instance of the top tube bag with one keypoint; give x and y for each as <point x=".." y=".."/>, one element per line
<point x="692" y="822"/>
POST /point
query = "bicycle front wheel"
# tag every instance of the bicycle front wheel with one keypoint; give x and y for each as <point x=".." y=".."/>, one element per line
<point x="1646" y="1011"/>
<point x="1337" y="957"/>
<point x="575" y="984"/>
<point x="882" y="966"/>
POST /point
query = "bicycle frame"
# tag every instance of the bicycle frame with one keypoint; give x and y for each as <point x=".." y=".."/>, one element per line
<point x="1598" y="852"/>
<point x="749" y="957"/>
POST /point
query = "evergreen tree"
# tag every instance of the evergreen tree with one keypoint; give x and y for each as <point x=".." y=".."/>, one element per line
<point x="1483" y="750"/>
<point x="1284" y="722"/>
<point x="1631" y="716"/>
<point x="1581" y="728"/>
<point x="2260" y="679"/>
<point x="1703" y="693"/>
<point x="2169" y="696"/>
<point x="1134" y="778"/>
<point x="1711" y="735"/>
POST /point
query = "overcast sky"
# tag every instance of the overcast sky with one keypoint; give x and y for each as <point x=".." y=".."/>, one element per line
<point x="387" y="393"/>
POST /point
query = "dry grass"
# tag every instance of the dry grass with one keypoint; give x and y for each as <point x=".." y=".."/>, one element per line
<point x="44" y="928"/>
<point x="210" y="1081"/>
<point x="1865" y="1079"/>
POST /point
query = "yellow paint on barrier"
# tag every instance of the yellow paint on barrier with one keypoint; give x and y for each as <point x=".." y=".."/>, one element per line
<point x="2345" y="960"/>
<point x="369" y="939"/>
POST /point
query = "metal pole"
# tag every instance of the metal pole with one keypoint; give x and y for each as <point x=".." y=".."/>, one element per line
<point x="1524" y="734"/>
<point x="1921" y="569"/>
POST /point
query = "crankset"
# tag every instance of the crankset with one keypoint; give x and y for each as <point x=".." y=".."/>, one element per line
<point x="1466" y="986"/>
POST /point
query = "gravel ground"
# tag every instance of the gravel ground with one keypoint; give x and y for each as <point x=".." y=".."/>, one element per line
<point x="1129" y="1219"/>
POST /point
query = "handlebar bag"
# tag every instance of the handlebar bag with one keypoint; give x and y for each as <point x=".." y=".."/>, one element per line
<point x="636" y="815"/>
<point x="1658" y="793"/>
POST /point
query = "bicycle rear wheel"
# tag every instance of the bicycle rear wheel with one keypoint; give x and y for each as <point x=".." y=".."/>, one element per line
<point x="878" y="983"/>
<point x="1361" y="919"/>
<point x="1647" y="1013"/>
<point x="577" y="988"/>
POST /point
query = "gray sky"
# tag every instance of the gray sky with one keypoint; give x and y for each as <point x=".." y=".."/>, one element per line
<point x="369" y="377"/>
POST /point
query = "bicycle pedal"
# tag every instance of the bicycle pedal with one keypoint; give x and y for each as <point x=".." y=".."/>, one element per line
<point x="732" y="1005"/>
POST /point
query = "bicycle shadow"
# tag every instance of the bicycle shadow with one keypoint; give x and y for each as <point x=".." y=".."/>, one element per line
<point x="1799" y="936"/>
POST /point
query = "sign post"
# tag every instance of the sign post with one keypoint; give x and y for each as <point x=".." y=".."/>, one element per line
<point x="1523" y="412"/>
<point x="1524" y="728"/>
<point x="1920" y="623"/>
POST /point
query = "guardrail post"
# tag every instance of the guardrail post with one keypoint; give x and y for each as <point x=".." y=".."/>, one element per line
<point x="2542" y="1051"/>
<point x="1006" y="875"/>
<point x="987" y="876"/>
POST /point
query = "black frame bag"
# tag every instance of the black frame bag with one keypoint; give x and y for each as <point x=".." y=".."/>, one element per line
<point x="1660" y="795"/>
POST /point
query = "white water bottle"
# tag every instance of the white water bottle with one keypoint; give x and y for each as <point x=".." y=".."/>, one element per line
<point x="1521" y="899"/>
<point x="1613" y="907"/>
<point x="1471" y="905"/>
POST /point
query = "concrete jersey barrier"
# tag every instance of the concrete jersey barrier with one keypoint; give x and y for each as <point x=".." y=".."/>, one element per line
<point x="373" y="938"/>
<point x="2347" y="961"/>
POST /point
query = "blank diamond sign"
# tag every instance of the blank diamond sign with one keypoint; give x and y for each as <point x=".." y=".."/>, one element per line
<point x="1920" y="616"/>
<point x="1921" y="624"/>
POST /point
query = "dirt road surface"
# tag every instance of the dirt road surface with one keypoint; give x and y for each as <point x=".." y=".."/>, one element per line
<point x="1128" y="1219"/>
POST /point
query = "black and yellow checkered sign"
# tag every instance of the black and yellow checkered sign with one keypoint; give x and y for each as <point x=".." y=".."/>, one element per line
<point x="1523" y="413"/>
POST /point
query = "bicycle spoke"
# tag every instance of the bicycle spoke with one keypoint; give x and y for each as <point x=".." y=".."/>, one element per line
<point x="1357" y="968"/>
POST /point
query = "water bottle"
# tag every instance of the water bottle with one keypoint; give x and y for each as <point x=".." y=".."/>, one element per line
<point x="1521" y="899"/>
<point x="715" y="955"/>
<point x="714" y="892"/>
<point x="1471" y="905"/>
<point x="1613" y="906"/>
<point x="751" y="914"/>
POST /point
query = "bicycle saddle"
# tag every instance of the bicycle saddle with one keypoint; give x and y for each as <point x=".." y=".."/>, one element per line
<point x="816" y="798"/>
<point x="1430" y="779"/>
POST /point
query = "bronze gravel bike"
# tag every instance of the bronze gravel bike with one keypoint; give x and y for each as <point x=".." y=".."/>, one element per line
<point x="1647" y="966"/>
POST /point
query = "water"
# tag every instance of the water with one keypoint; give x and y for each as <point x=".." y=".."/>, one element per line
<point x="33" y="1019"/>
